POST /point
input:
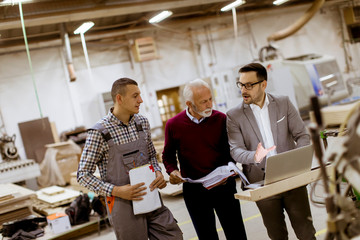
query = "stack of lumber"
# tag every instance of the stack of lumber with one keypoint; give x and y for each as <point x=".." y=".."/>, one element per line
<point x="15" y="202"/>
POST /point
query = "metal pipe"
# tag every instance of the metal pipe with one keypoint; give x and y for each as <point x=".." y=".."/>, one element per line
<point x="67" y="52"/>
<point x="235" y="23"/>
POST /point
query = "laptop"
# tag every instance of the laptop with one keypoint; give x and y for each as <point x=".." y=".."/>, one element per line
<point x="285" y="165"/>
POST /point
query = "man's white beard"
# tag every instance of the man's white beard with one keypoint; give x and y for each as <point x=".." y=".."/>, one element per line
<point x="203" y="113"/>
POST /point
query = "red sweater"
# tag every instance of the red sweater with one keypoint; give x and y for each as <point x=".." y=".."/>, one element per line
<point x="200" y="147"/>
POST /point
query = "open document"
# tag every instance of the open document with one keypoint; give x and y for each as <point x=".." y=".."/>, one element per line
<point x="151" y="200"/>
<point x="219" y="176"/>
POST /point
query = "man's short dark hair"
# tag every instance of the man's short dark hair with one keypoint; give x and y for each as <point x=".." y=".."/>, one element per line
<point x="260" y="70"/>
<point x="119" y="87"/>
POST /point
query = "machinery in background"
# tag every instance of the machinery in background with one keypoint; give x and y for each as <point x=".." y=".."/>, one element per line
<point x="311" y="75"/>
<point x="343" y="212"/>
<point x="299" y="78"/>
<point x="7" y="148"/>
<point x="316" y="75"/>
<point x="225" y="93"/>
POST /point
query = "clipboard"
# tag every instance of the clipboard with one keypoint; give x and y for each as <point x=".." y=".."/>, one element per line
<point x="151" y="200"/>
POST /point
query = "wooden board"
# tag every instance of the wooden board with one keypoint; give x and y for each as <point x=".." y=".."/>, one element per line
<point x="57" y="144"/>
<point x="53" y="190"/>
<point x="67" y="196"/>
<point x="18" y="206"/>
<point x="35" y="134"/>
<point x="15" y="214"/>
<point x="282" y="186"/>
<point x="54" y="132"/>
<point x="44" y="208"/>
<point x="18" y="192"/>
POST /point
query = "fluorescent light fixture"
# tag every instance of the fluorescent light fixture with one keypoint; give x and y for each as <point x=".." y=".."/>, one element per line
<point x="84" y="27"/>
<point x="279" y="2"/>
<point x="12" y="2"/>
<point x="161" y="16"/>
<point x="327" y="77"/>
<point x="232" y="5"/>
<point x="330" y="84"/>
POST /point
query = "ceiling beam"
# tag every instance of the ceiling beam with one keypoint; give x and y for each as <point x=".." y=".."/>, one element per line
<point x="178" y="25"/>
<point x="108" y="34"/>
<point x="103" y="12"/>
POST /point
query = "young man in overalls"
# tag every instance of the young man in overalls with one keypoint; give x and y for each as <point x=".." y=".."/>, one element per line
<point x="116" y="144"/>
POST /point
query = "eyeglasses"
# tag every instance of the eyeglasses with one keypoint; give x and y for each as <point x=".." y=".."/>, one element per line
<point x="248" y="86"/>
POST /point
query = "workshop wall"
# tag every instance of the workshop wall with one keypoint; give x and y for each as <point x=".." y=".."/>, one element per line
<point x="182" y="57"/>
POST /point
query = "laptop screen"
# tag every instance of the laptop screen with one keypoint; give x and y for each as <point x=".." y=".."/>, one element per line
<point x="288" y="164"/>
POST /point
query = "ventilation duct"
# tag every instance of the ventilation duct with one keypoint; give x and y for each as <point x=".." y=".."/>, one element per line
<point x="298" y="24"/>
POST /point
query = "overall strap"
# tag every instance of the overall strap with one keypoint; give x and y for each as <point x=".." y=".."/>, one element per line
<point x="104" y="132"/>
<point x="138" y="125"/>
<point x="139" y="128"/>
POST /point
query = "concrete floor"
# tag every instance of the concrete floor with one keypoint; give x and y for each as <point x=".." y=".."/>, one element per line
<point x="253" y="222"/>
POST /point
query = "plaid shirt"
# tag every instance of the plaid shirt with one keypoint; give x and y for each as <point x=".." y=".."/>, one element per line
<point x="95" y="152"/>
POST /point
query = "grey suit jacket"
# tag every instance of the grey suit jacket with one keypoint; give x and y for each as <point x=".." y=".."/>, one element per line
<point x="287" y="128"/>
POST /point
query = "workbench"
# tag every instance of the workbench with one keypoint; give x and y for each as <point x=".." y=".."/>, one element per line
<point x="16" y="203"/>
<point x="283" y="185"/>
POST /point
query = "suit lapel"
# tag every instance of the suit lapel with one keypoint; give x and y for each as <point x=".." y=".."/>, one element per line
<point x="250" y="116"/>
<point x="273" y="118"/>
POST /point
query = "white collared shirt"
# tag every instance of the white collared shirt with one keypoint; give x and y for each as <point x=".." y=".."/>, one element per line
<point x="263" y="121"/>
<point x="192" y="118"/>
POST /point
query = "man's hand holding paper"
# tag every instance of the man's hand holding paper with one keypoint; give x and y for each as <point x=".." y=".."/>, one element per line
<point x="175" y="177"/>
<point x="219" y="176"/>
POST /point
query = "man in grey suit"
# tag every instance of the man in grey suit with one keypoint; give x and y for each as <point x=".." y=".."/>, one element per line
<point x="263" y="125"/>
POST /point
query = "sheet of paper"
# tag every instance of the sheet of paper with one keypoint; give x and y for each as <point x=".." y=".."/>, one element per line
<point x="219" y="175"/>
<point x="151" y="200"/>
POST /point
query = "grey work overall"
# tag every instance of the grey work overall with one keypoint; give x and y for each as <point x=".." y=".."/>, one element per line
<point x="159" y="224"/>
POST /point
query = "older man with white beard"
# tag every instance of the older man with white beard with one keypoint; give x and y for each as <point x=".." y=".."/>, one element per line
<point x="197" y="138"/>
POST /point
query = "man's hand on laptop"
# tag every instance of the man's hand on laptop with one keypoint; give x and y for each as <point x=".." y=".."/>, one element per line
<point x="261" y="152"/>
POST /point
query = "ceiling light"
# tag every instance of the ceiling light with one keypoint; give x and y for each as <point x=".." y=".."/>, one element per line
<point x="327" y="77"/>
<point x="278" y="2"/>
<point x="161" y="16"/>
<point x="12" y="2"/>
<point x="232" y="5"/>
<point x="84" y="27"/>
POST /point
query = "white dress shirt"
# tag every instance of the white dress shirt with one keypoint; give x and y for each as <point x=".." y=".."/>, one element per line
<point x="192" y="118"/>
<point x="263" y="121"/>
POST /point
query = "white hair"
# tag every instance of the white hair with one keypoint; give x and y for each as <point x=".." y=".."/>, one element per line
<point x="188" y="89"/>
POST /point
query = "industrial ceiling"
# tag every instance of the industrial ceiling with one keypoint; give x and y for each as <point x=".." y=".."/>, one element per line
<point x="46" y="19"/>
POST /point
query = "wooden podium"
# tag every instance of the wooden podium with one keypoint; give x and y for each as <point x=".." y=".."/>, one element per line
<point x="282" y="186"/>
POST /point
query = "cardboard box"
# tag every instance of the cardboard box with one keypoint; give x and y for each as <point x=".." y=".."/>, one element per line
<point x="59" y="222"/>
